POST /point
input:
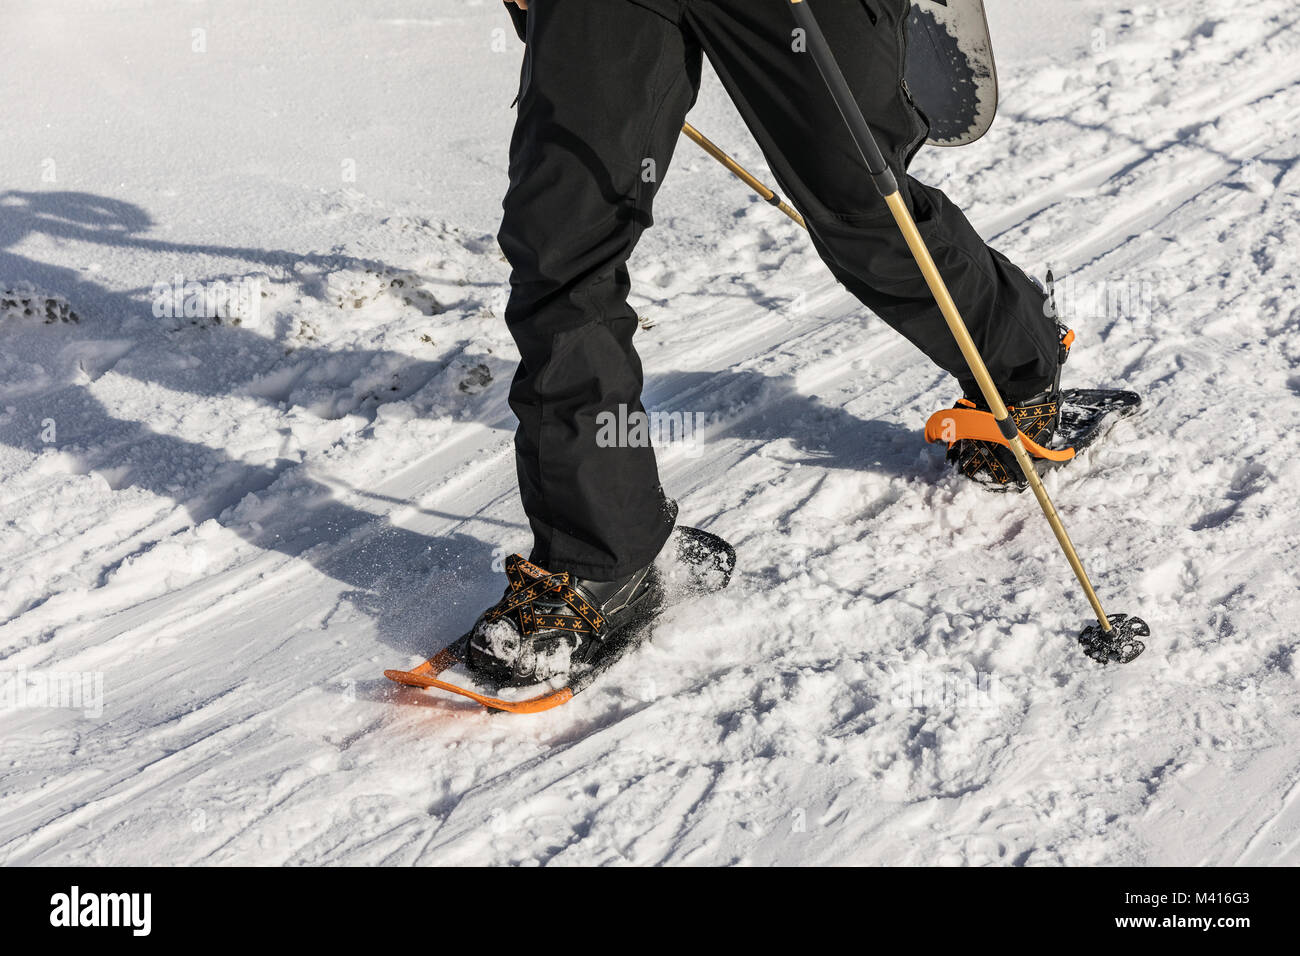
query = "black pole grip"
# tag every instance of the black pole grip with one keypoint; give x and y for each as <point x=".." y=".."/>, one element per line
<point x="880" y="172"/>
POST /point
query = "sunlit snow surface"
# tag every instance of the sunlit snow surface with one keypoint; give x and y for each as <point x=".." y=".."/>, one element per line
<point x="220" y="534"/>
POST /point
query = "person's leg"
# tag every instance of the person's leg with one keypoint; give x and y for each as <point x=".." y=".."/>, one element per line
<point x="605" y="89"/>
<point x="778" y="90"/>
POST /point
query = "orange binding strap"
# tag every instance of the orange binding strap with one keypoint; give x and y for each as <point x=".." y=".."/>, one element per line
<point x="953" y="424"/>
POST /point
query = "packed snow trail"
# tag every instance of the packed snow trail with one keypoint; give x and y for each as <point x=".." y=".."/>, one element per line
<point x="239" y="527"/>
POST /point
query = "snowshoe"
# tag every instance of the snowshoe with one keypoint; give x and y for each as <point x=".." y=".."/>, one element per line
<point x="552" y="628"/>
<point x="1054" y="426"/>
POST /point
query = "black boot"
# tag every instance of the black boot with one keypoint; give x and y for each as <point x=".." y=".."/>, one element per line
<point x="548" y="624"/>
<point x="1037" y="418"/>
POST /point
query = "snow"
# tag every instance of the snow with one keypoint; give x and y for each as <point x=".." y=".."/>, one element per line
<point x="231" y="528"/>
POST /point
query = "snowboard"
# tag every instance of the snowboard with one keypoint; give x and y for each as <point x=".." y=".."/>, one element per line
<point x="694" y="564"/>
<point x="950" y="72"/>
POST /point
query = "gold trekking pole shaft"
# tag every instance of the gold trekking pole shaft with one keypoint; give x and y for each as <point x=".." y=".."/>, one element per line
<point x="1113" y="637"/>
<point x="741" y="173"/>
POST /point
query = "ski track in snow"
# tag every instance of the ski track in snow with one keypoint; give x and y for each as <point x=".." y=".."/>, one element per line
<point x="241" y="527"/>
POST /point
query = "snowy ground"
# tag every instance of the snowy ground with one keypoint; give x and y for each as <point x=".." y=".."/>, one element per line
<point x="232" y="529"/>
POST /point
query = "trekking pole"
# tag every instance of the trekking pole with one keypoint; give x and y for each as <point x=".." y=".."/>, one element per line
<point x="1114" y="637"/>
<point x="741" y="173"/>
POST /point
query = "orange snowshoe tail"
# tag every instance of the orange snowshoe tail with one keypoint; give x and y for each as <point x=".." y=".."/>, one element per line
<point x="426" y="675"/>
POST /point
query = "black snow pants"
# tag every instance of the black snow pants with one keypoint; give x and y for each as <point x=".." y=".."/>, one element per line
<point x="604" y="91"/>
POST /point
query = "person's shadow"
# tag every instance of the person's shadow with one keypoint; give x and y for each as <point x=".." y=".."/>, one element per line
<point x="387" y="573"/>
<point x="406" y="581"/>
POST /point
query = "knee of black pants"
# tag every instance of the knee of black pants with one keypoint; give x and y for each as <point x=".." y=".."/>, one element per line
<point x="568" y="253"/>
<point x="869" y="256"/>
<point x="584" y="369"/>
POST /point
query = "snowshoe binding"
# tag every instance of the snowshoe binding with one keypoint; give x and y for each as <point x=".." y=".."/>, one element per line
<point x="546" y="624"/>
<point x="1054" y="425"/>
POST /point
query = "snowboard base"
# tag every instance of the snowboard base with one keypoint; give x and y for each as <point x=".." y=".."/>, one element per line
<point x="950" y="72"/>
